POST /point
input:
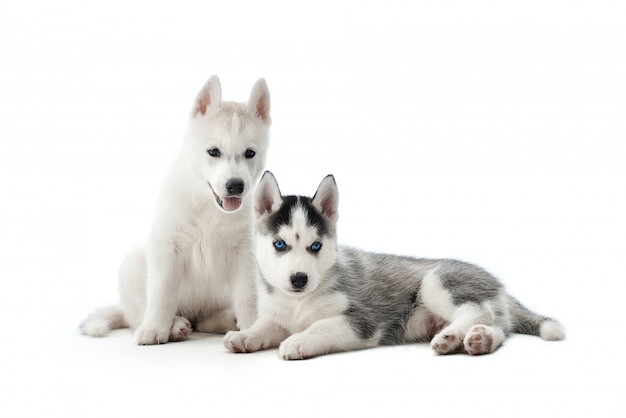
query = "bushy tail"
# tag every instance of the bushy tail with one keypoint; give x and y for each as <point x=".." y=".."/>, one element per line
<point x="525" y="321"/>
<point x="103" y="320"/>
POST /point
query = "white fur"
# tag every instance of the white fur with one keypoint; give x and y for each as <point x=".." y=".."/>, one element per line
<point x="308" y="309"/>
<point x="552" y="331"/>
<point x="326" y="335"/>
<point x="197" y="265"/>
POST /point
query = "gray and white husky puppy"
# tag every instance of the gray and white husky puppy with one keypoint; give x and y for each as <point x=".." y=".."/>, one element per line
<point x="315" y="297"/>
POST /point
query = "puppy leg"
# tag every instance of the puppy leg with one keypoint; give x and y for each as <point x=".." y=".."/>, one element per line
<point x="244" y="295"/>
<point x="325" y="336"/>
<point x="263" y="334"/>
<point x="451" y="338"/>
<point x="161" y="295"/>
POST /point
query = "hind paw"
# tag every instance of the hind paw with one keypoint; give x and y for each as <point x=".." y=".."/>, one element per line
<point x="180" y="329"/>
<point x="482" y="339"/>
<point x="445" y="343"/>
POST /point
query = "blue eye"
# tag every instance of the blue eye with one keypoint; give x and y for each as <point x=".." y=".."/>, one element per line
<point x="250" y="153"/>
<point x="316" y="246"/>
<point x="280" y="245"/>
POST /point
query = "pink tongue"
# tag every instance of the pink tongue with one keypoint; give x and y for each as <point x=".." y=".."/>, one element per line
<point x="231" y="203"/>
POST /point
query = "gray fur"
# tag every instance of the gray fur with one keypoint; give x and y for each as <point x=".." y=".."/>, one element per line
<point x="384" y="290"/>
<point x="525" y="321"/>
<point x="467" y="282"/>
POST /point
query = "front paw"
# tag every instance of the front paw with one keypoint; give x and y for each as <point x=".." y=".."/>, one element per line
<point x="300" y="347"/>
<point x="151" y="336"/>
<point x="243" y="342"/>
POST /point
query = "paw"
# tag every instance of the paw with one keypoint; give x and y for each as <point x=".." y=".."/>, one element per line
<point x="479" y="340"/>
<point x="243" y="342"/>
<point x="180" y="329"/>
<point x="150" y="336"/>
<point x="445" y="343"/>
<point x="300" y="347"/>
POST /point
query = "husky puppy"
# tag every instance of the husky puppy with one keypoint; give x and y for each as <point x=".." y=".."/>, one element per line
<point x="317" y="298"/>
<point x="197" y="267"/>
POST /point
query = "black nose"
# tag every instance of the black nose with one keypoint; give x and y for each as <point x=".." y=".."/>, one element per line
<point x="234" y="186"/>
<point x="298" y="280"/>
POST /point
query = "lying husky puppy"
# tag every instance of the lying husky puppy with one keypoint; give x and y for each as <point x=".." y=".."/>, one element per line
<point x="317" y="298"/>
<point x="197" y="268"/>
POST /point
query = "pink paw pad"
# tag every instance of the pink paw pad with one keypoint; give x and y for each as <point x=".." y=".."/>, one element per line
<point x="444" y="344"/>
<point x="478" y="340"/>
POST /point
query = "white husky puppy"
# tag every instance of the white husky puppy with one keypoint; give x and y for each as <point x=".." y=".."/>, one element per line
<point x="197" y="267"/>
<point x="317" y="298"/>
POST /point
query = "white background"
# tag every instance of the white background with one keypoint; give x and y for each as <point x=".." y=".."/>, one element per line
<point x="489" y="131"/>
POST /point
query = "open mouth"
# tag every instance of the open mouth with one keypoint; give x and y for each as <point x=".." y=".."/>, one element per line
<point x="229" y="203"/>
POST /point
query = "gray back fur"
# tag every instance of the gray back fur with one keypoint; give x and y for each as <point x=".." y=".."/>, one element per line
<point x="384" y="290"/>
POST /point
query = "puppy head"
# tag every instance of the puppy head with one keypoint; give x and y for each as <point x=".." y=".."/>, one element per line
<point x="296" y="235"/>
<point x="229" y="142"/>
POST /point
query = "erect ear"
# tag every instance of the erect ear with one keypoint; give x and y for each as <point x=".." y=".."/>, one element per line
<point x="267" y="198"/>
<point x="209" y="96"/>
<point x="259" y="101"/>
<point x="326" y="198"/>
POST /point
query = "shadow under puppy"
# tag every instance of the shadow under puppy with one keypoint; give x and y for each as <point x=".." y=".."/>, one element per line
<point x="315" y="297"/>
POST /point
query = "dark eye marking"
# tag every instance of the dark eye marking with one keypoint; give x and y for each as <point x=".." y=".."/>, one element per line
<point x="214" y="152"/>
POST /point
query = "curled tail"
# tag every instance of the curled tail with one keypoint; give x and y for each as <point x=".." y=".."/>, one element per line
<point x="525" y="321"/>
<point x="103" y="320"/>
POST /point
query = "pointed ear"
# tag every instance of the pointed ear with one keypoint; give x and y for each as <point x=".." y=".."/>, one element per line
<point x="209" y="96"/>
<point x="259" y="101"/>
<point x="268" y="198"/>
<point x="326" y="199"/>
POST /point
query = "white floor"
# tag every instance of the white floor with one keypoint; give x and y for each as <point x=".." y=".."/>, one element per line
<point x="73" y="376"/>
